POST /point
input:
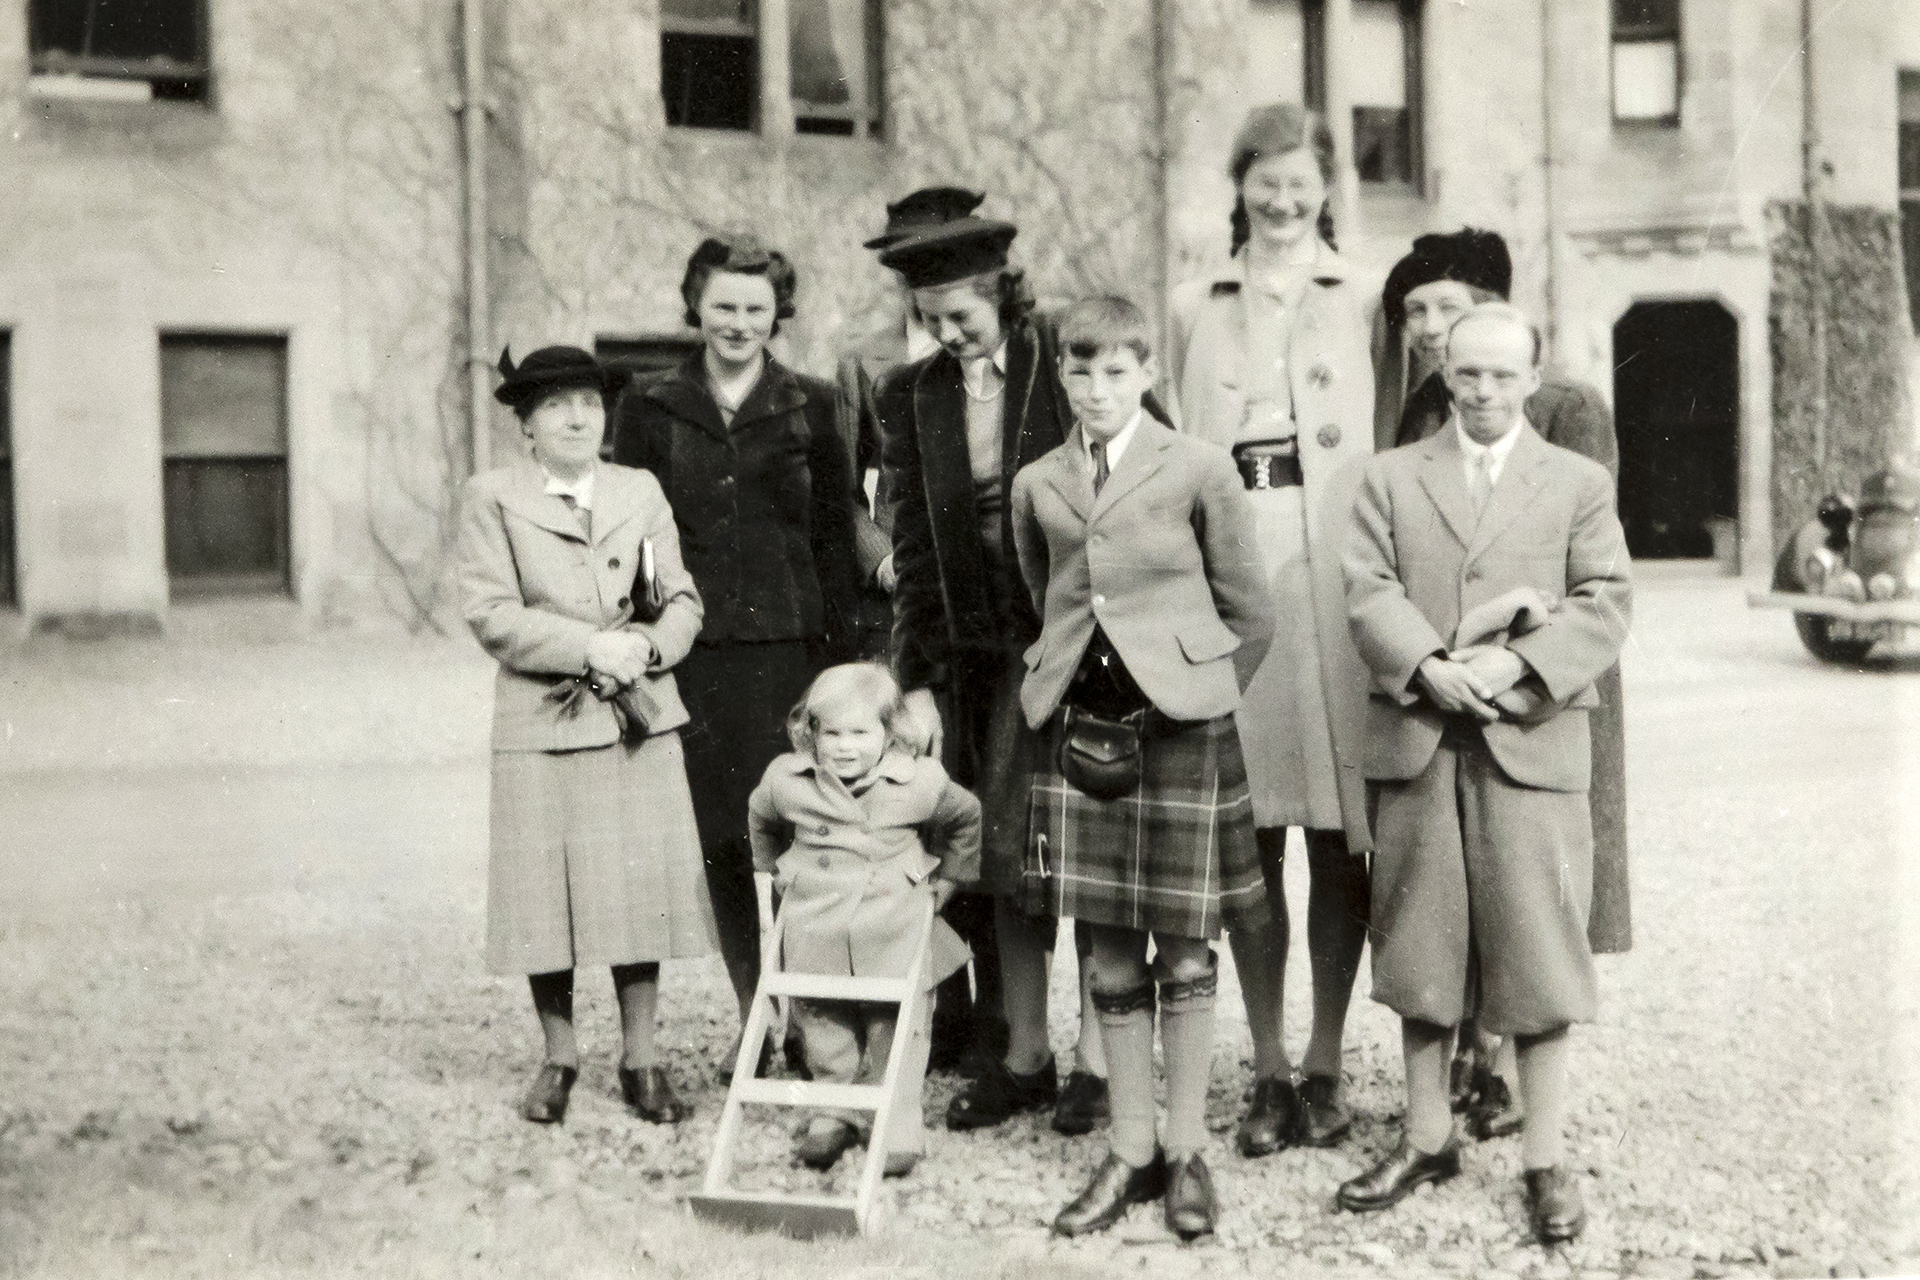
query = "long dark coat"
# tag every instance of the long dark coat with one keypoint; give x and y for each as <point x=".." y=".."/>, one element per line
<point x="1574" y="416"/>
<point x="765" y="507"/>
<point x="943" y="602"/>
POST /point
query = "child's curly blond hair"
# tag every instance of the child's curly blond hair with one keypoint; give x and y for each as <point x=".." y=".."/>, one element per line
<point x="863" y="684"/>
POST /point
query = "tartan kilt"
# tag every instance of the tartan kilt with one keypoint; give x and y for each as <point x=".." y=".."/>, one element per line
<point x="1176" y="857"/>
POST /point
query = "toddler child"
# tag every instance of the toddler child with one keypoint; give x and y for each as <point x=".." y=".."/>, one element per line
<point x="859" y="833"/>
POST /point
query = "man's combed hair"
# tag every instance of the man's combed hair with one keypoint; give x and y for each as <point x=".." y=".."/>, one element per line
<point x="1506" y="311"/>
<point x="862" y="684"/>
<point x="1093" y="325"/>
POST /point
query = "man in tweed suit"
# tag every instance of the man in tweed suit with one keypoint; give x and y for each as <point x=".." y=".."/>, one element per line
<point x="1483" y="839"/>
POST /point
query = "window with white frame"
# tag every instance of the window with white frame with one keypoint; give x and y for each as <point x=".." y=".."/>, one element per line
<point x="124" y="49"/>
<point x="1382" y="61"/>
<point x="714" y="61"/>
<point x="1646" y="62"/>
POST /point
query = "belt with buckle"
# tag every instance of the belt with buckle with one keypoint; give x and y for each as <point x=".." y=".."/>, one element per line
<point x="1268" y="464"/>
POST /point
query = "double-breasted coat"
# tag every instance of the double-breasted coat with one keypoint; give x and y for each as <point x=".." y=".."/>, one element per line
<point x="1574" y="416"/>
<point x="1327" y="369"/>
<point x="851" y="869"/>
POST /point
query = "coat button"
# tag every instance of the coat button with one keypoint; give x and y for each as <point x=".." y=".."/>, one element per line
<point x="614" y="563"/>
<point x="825" y="861"/>
<point x="1320" y="375"/>
<point x="1473" y="575"/>
<point x="824" y="829"/>
<point x="622" y="604"/>
<point x="1329" y="436"/>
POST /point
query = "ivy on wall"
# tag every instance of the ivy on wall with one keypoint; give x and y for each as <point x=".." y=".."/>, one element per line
<point x="1865" y="299"/>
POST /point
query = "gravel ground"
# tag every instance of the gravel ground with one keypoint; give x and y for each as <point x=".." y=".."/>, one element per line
<point x="247" y="1029"/>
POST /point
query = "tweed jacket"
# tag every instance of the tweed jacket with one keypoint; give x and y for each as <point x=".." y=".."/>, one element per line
<point x="1163" y="560"/>
<point x="848" y="867"/>
<point x="535" y="589"/>
<point x="765" y="506"/>
<point x="943" y="601"/>
<point x="1330" y="376"/>
<point x="1416" y="561"/>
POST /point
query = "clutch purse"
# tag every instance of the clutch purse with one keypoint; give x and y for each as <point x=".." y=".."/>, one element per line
<point x="1101" y="756"/>
<point x="649" y="598"/>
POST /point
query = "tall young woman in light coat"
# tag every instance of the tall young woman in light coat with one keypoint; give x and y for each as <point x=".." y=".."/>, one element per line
<point x="1270" y="358"/>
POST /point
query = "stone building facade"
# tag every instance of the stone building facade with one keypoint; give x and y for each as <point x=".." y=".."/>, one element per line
<point x="235" y="281"/>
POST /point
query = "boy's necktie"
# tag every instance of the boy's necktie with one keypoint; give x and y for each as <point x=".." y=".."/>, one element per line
<point x="1098" y="452"/>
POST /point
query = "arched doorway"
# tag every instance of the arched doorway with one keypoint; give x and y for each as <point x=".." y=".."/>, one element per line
<point x="1676" y="407"/>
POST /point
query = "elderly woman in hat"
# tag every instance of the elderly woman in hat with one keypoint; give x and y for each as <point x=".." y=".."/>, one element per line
<point x="1444" y="276"/>
<point x="594" y="859"/>
<point x="750" y="455"/>
<point x="956" y="427"/>
<point x="1270" y="358"/>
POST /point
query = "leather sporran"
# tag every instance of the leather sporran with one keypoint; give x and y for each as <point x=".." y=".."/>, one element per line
<point x="1101" y="756"/>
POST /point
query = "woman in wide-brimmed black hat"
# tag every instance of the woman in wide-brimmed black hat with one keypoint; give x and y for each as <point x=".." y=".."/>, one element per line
<point x="594" y="855"/>
<point x="750" y="455"/>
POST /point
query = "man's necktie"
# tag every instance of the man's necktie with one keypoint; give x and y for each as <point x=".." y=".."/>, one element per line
<point x="1481" y="488"/>
<point x="1098" y="451"/>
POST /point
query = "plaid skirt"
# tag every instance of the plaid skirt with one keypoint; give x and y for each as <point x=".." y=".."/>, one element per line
<point x="1176" y="857"/>
<point x="595" y="859"/>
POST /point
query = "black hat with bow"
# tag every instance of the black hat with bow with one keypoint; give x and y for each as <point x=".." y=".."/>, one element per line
<point x="548" y="370"/>
<point x="923" y="210"/>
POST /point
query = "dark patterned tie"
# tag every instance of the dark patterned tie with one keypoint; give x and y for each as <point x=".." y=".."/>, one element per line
<point x="580" y="513"/>
<point x="1098" y="451"/>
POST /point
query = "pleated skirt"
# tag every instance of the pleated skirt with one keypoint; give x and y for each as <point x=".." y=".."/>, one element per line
<point x="595" y="859"/>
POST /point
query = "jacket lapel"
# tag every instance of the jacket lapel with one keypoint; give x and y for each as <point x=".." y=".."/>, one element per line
<point x="777" y="392"/>
<point x="1023" y="367"/>
<point x="685" y="394"/>
<point x="940" y="421"/>
<point x="1441" y="477"/>
<point x="614" y="502"/>
<point x="527" y="497"/>
<point x="1067" y="471"/>
<point x="1514" y="492"/>
<point x="1143" y="457"/>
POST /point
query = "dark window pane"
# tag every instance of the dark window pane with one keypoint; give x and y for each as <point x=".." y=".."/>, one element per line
<point x="1910" y="253"/>
<point x="131" y="29"/>
<point x="709" y="82"/>
<point x="1381" y="149"/>
<point x="1909" y="154"/>
<point x="227" y="523"/>
<point x="223" y="397"/>
<point x="1646" y="17"/>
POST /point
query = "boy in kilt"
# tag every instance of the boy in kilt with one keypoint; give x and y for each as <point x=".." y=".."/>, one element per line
<point x="1137" y="544"/>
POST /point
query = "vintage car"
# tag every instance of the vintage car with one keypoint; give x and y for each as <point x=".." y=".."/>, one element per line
<point x="1851" y="575"/>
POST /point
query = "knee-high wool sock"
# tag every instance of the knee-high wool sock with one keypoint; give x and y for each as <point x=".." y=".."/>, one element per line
<point x="1186" y="1043"/>
<point x="1126" y="1029"/>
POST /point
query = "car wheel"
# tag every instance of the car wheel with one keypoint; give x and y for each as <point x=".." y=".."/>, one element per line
<point x="1816" y="633"/>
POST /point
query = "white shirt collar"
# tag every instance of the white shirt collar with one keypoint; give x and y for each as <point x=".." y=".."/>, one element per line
<point x="975" y="372"/>
<point x="1496" y="452"/>
<point x="580" y="490"/>
<point x="1115" y="446"/>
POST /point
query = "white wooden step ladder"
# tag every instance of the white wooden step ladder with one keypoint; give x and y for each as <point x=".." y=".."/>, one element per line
<point x="806" y="1216"/>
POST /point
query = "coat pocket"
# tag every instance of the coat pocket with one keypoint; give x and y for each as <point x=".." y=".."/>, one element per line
<point x="1204" y="642"/>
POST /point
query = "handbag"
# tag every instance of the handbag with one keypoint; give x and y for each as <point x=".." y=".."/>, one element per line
<point x="1101" y="756"/>
<point x="648" y="596"/>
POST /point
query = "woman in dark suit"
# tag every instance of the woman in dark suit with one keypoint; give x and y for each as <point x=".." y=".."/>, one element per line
<point x="751" y="458"/>
<point x="594" y="853"/>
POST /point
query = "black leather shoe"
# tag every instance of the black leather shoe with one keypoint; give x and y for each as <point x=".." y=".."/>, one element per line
<point x="999" y="1093"/>
<point x="1082" y="1106"/>
<point x="546" y="1100"/>
<point x="1394" y="1178"/>
<point x="794" y="1050"/>
<point x="824" y="1142"/>
<point x="1324" y="1118"/>
<point x="646" y="1090"/>
<point x="1273" y="1118"/>
<point x="1554" y="1206"/>
<point x="1190" y="1203"/>
<point x="1492" y="1114"/>
<point x="1115" y="1186"/>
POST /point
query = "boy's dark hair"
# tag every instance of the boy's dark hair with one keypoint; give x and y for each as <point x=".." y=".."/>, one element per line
<point x="1093" y="325"/>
